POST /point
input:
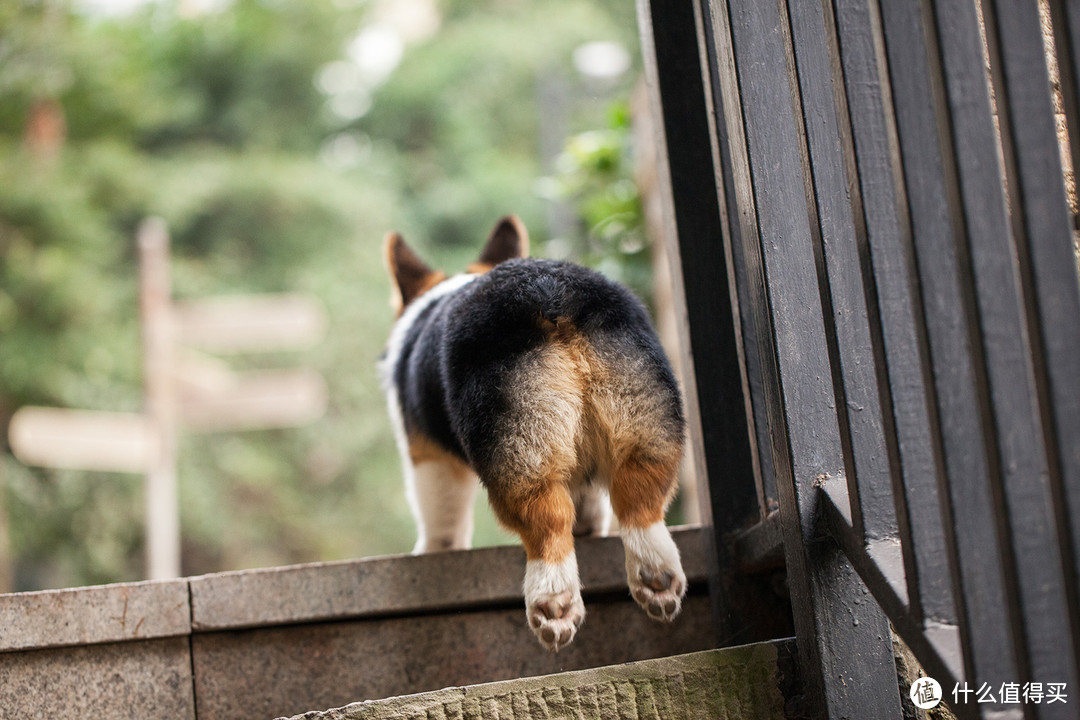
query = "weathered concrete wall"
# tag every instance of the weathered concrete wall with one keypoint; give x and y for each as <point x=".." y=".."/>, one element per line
<point x="732" y="684"/>
<point x="142" y="679"/>
<point x="100" y="652"/>
<point x="274" y="671"/>
<point x="272" y="642"/>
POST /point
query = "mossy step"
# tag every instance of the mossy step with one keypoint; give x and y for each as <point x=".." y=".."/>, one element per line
<point x="741" y="683"/>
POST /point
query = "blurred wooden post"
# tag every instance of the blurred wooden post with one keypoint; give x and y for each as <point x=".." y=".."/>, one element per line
<point x="670" y="322"/>
<point x="162" y="504"/>
<point x="7" y="560"/>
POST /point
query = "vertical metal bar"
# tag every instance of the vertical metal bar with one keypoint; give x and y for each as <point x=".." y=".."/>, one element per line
<point x="843" y="640"/>
<point x="155" y="305"/>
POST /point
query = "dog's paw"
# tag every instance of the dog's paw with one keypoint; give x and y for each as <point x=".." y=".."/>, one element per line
<point x="555" y="619"/>
<point x="553" y="602"/>
<point x="654" y="572"/>
<point x="658" y="592"/>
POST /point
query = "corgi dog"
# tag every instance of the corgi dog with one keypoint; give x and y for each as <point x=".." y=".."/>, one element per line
<point x="546" y="383"/>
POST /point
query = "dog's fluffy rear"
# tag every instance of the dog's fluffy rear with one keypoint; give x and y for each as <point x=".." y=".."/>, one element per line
<point x="546" y="382"/>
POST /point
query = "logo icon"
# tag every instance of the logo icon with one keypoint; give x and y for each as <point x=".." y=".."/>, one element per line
<point x="925" y="693"/>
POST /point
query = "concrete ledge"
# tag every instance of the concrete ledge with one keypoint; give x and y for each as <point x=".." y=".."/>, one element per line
<point x="403" y="584"/>
<point x="735" y="683"/>
<point x="319" y="592"/>
<point x="90" y="615"/>
<point x="280" y="640"/>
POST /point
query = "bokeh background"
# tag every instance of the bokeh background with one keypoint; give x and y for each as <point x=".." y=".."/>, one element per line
<point x="279" y="140"/>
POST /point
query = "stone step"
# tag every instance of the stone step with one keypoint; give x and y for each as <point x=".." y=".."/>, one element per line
<point x="741" y="683"/>
<point x="277" y="641"/>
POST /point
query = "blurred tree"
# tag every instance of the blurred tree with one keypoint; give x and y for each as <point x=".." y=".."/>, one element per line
<point x="466" y="114"/>
<point x="279" y="139"/>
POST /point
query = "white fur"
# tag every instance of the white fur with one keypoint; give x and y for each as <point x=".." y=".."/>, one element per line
<point x="651" y="553"/>
<point x="543" y="578"/>
<point x="592" y="509"/>
<point x="386" y="369"/>
<point x="651" y="546"/>
<point x="393" y="404"/>
<point x="554" y="586"/>
<point x="443" y="505"/>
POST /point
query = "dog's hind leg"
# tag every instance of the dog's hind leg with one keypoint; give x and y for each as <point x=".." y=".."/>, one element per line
<point x="527" y="467"/>
<point x="641" y="487"/>
<point x="542" y="513"/>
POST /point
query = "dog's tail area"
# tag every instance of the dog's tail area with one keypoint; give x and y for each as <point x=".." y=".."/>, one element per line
<point x="604" y="393"/>
<point x="577" y="377"/>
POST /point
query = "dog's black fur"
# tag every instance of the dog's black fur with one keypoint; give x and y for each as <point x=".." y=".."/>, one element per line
<point x="456" y="359"/>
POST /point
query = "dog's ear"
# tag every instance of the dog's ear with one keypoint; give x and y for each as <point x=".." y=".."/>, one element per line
<point x="507" y="241"/>
<point x="411" y="275"/>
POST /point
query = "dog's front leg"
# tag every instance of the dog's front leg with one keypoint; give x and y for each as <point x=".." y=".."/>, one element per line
<point x="592" y="510"/>
<point x="442" y="492"/>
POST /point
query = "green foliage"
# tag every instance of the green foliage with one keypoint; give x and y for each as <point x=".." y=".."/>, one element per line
<point x="596" y="172"/>
<point x="217" y="124"/>
<point x="63" y="271"/>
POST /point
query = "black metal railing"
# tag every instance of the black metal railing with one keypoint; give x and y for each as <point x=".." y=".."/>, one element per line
<point x="876" y="228"/>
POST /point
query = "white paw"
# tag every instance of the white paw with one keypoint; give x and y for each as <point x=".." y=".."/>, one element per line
<point x="553" y="602"/>
<point x="654" y="572"/>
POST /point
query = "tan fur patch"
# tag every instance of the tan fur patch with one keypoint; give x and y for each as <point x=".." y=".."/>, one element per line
<point x="546" y="397"/>
<point x="543" y="515"/>
<point x="642" y="488"/>
<point x="418" y="289"/>
<point x="579" y="413"/>
<point x="423" y="449"/>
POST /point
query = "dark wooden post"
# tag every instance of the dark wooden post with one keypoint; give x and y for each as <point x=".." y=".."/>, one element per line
<point x="703" y="271"/>
<point x="843" y="636"/>
<point x="715" y="397"/>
